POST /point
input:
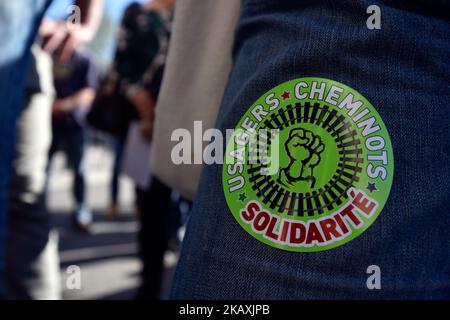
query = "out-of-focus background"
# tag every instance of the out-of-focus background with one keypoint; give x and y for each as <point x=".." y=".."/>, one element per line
<point x="104" y="44"/>
<point x="107" y="258"/>
<point x="114" y="231"/>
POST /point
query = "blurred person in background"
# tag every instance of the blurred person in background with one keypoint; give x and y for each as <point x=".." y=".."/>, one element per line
<point x="19" y="22"/>
<point x="203" y="35"/>
<point x="113" y="209"/>
<point x="137" y="74"/>
<point x="75" y="80"/>
<point x="32" y="268"/>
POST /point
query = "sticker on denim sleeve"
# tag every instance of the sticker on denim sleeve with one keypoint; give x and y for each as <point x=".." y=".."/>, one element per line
<point x="309" y="166"/>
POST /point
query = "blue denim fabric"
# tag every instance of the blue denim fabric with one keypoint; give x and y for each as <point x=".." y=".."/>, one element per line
<point x="18" y="25"/>
<point x="69" y="136"/>
<point x="404" y="71"/>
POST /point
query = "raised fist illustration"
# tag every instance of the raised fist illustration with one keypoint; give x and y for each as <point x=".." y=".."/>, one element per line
<point x="303" y="148"/>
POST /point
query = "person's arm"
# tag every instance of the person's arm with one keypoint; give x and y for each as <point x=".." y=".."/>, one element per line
<point x="63" y="38"/>
<point x="81" y="99"/>
<point x="93" y="11"/>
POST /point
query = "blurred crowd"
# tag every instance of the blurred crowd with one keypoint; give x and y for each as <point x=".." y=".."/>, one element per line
<point x="70" y="103"/>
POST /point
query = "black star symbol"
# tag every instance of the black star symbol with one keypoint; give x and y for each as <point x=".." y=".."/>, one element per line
<point x="242" y="197"/>
<point x="372" y="187"/>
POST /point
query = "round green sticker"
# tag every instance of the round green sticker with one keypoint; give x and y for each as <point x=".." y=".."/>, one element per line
<point x="309" y="166"/>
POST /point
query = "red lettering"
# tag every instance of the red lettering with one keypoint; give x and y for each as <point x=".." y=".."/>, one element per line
<point x="249" y="214"/>
<point x="341" y="223"/>
<point x="348" y="211"/>
<point x="364" y="204"/>
<point x="270" y="231"/>
<point x="298" y="233"/>
<point x="313" y="234"/>
<point x="285" y="230"/>
<point x="261" y="221"/>
<point x="329" y="228"/>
